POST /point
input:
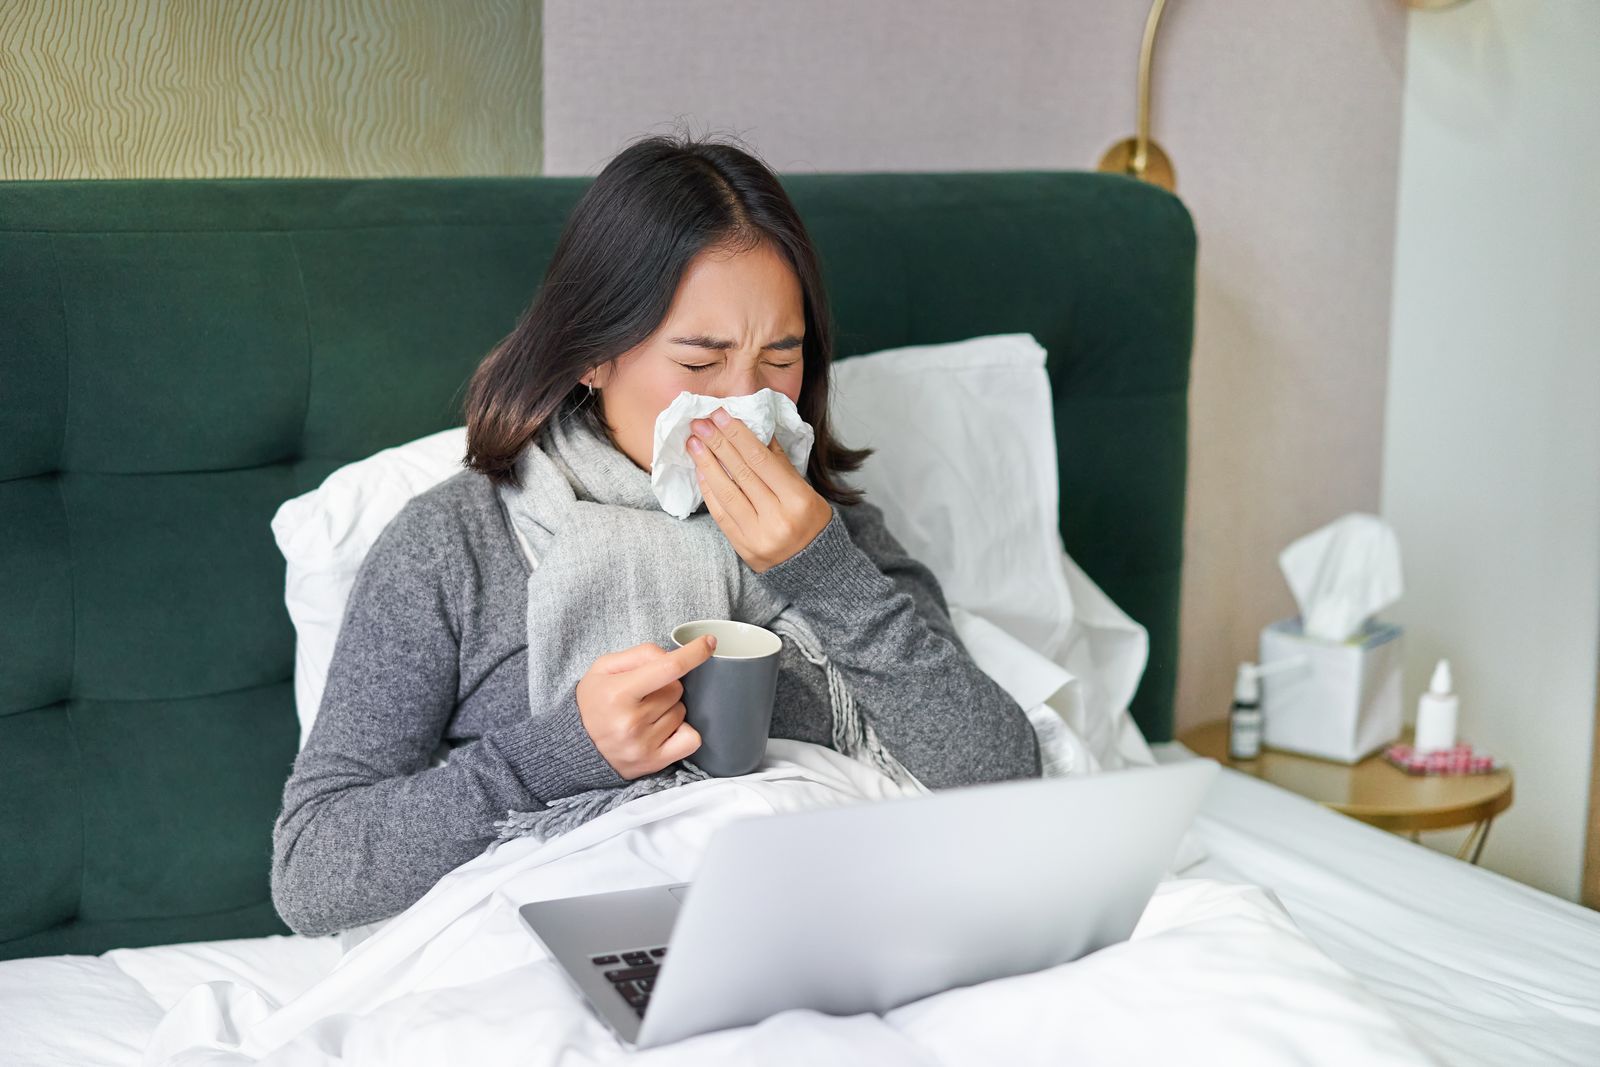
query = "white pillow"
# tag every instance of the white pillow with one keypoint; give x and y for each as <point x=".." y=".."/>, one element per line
<point x="968" y="426"/>
<point x="326" y="533"/>
<point x="965" y="472"/>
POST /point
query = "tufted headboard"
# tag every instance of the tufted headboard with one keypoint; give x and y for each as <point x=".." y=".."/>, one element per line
<point x="177" y="358"/>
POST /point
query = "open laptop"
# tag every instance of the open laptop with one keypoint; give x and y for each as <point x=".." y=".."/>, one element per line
<point x="870" y="905"/>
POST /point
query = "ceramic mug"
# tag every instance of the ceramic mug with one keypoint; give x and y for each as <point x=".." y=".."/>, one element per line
<point x="729" y="697"/>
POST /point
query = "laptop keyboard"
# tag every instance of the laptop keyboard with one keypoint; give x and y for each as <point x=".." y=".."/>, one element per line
<point x="632" y="973"/>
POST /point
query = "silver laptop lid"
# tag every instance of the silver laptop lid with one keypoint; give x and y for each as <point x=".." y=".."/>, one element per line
<point x="866" y="906"/>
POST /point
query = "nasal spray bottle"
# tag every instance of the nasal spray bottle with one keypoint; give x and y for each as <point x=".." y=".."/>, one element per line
<point x="1245" y="720"/>
<point x="1437" y="712"/>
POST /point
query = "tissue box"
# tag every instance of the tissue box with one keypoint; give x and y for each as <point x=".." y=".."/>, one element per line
<point x="1344" y="703"/>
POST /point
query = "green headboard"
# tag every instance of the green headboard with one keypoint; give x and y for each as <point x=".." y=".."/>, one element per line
<point x="177" y="358"/>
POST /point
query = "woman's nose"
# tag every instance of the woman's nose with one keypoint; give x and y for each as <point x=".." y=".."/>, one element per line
<point x="742" y="382"/>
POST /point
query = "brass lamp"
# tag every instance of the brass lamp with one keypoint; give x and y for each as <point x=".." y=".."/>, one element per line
<point x="1139" y="156"/>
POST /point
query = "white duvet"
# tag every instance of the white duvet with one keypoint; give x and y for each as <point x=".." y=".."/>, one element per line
<point x="1213" y="973"/>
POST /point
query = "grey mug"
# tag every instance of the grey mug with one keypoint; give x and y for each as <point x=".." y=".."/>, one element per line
<point x="728" y="698"/>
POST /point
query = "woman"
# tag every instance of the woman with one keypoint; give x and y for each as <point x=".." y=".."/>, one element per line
<point x="683" y="267"/>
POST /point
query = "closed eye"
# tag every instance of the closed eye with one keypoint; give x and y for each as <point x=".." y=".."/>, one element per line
<point x="703" y="366"/>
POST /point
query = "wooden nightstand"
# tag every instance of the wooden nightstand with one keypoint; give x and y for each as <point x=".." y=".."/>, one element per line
<point x="1374" y="790"/>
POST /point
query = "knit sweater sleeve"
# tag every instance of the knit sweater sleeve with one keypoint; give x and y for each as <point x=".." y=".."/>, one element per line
<point x="367" y="826"/>
<point x="883" y="621"/>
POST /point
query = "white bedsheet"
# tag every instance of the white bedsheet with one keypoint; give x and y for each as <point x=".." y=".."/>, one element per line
<point x="1214" y="973"/>
<point x="1490" y="970"/>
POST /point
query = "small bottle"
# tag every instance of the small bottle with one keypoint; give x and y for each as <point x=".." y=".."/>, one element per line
<point x="1436" y="713"/>
<point x="1244" y="718"/>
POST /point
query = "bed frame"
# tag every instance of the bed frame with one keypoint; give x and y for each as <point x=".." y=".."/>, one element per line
<point x="177" y="358"/>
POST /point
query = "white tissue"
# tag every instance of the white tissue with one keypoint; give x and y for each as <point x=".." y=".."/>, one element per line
<point x="1343" y="574"/>
<point x="766" y="412"/>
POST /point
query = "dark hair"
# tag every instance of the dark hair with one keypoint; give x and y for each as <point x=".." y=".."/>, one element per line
<point x="616" y="268"/>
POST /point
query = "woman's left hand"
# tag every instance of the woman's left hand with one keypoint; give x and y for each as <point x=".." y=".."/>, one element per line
<point x="766" y="508"/>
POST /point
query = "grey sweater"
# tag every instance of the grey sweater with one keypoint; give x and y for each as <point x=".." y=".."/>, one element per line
<point x="434" y="647"/>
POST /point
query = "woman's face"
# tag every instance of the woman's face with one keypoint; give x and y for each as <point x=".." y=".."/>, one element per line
<point x="739" y="316"/>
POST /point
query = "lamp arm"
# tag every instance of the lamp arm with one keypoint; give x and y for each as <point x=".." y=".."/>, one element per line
<point x="1146" y="55"/>
<point x="1140" y="156"/>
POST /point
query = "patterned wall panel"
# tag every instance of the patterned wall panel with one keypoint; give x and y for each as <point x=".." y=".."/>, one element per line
<point x="269" y="88"/>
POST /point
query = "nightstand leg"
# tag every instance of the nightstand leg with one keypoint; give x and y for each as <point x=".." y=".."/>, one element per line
<point x="1474" y="842"/>
<point x="1478" y="852"/>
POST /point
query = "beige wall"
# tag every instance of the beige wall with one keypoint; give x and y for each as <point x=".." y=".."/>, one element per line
<point x="1283" y="123"/>
<point x="162" y="88"/>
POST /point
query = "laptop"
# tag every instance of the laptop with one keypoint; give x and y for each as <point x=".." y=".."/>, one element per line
<point x="866" y="906"/>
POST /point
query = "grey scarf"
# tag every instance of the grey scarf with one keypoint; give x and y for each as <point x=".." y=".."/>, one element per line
<point x="614" y="570"/>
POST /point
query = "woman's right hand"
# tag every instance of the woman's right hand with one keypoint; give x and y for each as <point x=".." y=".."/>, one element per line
<point x="631" y="703"/>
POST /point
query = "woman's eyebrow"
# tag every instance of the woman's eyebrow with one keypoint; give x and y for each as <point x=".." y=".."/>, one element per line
<point x="703" y="341"/>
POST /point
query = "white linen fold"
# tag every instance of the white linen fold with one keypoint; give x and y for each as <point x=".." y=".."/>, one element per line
<point x="458" y="977"/>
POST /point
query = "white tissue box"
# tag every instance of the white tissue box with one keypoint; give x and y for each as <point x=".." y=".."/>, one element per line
<point x="1344" y="703"/>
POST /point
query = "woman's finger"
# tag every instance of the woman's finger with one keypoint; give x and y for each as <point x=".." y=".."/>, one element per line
<point x="714" y="508"/>
<point x="660" y="728"/>
<point x="683" y="742"/>
<point x="725" y="499"/>
<point x="629" y="658"/>
<point x="659" y="670"/>
<point x="786" y="480"/>
<point x="653" y="705"/>
<point x="745" y="458"/>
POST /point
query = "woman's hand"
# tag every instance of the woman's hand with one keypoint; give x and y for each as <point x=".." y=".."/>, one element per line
<point x="766" y="508"/>
<point x="631" y="702"/>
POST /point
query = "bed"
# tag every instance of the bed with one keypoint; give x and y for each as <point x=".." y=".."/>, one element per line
<point x="1480" y="969"/>
<point x="180" y="358"/>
